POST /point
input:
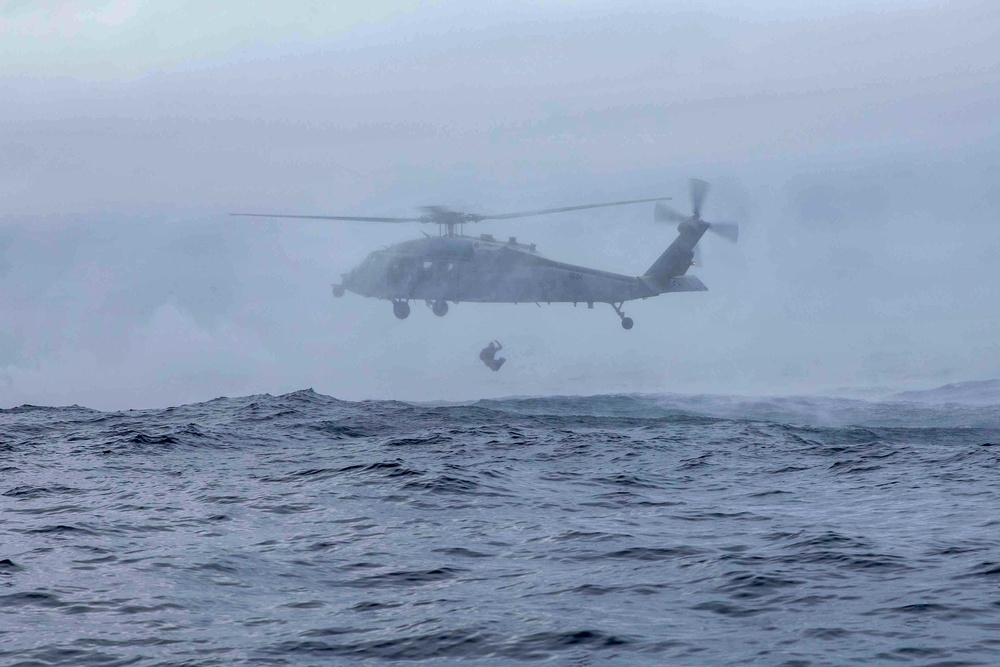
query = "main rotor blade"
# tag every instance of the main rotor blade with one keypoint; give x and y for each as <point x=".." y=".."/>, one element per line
<point x="326" y="217"/>
<point x="699" y="189"/>
<point x="727" y="230"/>
<point x="663" y="213"/>
<point x="544" y="211"/>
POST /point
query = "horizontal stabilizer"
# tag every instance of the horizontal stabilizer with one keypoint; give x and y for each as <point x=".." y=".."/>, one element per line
<point x="675" y="284"/>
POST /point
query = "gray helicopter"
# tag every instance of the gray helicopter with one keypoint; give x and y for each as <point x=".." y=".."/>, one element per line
<point x="456" y="268"/>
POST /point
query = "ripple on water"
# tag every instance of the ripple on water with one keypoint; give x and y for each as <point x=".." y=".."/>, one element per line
<point x="304" y="530"/>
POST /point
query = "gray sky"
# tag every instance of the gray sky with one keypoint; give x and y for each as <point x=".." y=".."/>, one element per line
<point x="857" y="145"/>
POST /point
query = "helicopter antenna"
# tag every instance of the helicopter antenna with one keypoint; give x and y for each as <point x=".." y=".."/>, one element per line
<point x="449" y="220"/>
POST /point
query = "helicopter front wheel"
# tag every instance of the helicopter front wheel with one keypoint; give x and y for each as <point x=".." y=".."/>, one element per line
<point x="627" y="323"/>
<point x="440" y="308"/>
<point x="400" y="309"/>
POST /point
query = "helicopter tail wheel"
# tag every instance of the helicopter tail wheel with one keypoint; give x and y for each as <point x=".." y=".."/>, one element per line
<point x="400" y="309"/>
<point x="440" y="308"/>
<point x="626" y="321"/>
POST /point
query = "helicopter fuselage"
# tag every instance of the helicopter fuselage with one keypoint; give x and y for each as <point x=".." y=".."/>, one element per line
<point x="481" y="269"/>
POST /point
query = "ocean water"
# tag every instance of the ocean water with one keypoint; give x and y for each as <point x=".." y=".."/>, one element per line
<point x="304" y="530"/>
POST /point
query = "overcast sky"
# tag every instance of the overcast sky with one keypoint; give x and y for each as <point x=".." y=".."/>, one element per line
<point x="856" y="144"/>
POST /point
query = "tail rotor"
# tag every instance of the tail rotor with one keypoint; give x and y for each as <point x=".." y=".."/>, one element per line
<point x="699" y="191"/>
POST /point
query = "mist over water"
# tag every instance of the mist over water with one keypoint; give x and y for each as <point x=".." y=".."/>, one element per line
<point x="825" y="290"/>
<point x="856" y="146"/>
<point x="299" y="529"/>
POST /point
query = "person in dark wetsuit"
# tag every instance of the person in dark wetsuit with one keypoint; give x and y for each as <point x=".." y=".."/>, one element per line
<point x="488" y="355"/>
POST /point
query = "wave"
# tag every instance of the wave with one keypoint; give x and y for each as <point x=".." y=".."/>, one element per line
<point x="324" y="530"/>
<point x="976" y="392"/>
<point x="266" y="420"/>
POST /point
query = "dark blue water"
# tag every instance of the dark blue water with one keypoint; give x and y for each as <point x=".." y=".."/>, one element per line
<point x="303" y="530"/>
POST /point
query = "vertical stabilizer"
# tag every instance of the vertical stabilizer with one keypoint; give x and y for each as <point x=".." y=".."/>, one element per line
<point x="676" y="259"/>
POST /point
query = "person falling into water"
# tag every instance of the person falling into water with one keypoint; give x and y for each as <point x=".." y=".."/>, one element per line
<point x="489" y="353"/>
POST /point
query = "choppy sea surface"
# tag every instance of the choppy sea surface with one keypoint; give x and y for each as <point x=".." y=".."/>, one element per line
<point x="304" y="530"/>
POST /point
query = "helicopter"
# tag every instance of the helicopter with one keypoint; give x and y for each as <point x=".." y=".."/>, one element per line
<point x="458" y="268"/>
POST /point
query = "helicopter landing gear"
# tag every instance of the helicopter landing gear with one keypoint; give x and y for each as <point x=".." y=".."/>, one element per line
<point x="338" y="291"/>
<point x="440" y="308"/>
<point x="626" y="321"/>
<point x="400" y="309"/>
